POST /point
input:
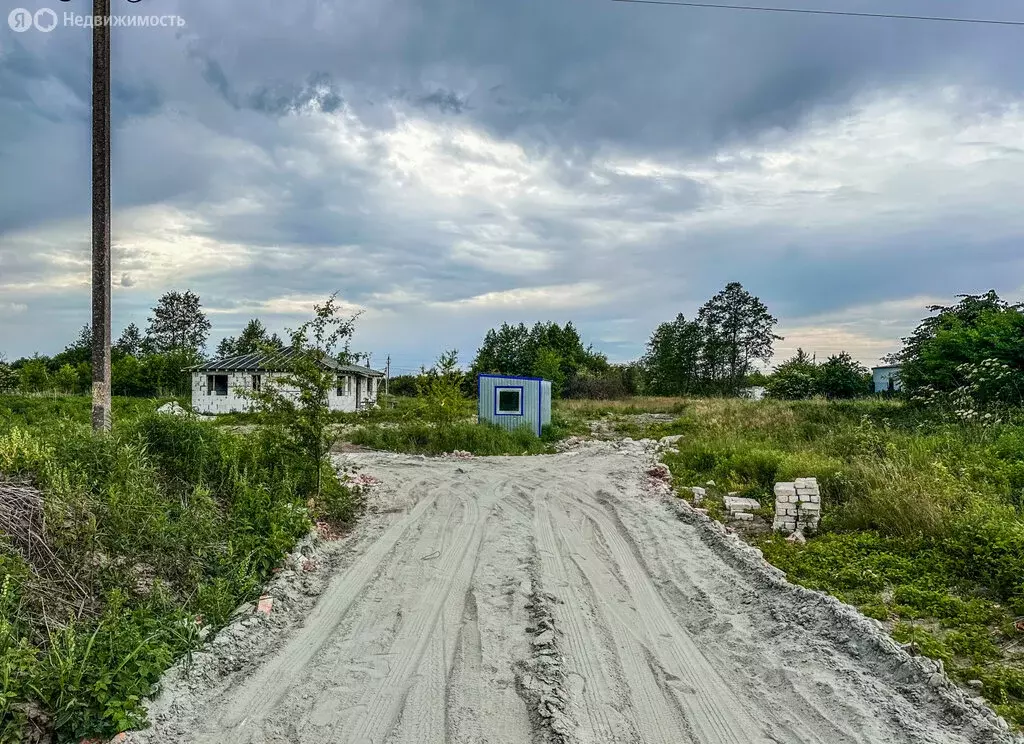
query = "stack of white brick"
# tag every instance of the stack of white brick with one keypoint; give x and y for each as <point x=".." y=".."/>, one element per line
<point x="739" y="508"/>
<point x="808" y="501"/>
<point x="797" y="505"/>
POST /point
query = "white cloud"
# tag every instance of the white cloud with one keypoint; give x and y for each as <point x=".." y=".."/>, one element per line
<point x="291" y="305"/>
<point x="559" y="297"/>
<point x="891" y="160"/>
<point x="8" y="309"/>
<point x="439" y="217"/>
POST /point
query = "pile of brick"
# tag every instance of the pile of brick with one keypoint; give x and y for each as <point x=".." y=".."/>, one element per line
<point x="797" y="505"/>
<point x="740" y="508"/>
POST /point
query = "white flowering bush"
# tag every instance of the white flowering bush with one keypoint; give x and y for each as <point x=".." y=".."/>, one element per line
<point x="990" y="388"/>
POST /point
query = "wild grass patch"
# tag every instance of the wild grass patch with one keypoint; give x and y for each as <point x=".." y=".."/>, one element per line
<point x="640" y="404"/>
<point x="165" y="525"/>
<point x="421" y="437"/>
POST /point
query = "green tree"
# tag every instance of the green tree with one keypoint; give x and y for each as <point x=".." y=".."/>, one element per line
<point x="253" y="338"/>
<point x="130" y="341"/>
<point x="518" y="350"/>
<point x="549" y="365"/>
<point x="8" y="377"/>
<point x="841" y="376"/>
<point x="298" y="399"/>
<point x="128" y="377"/>
<point x="738" y="330"/>
<point x="178" y="324"/>
<point x="947" y="349"/>
<point x="167" y="373"/>
<point x="440" y="391"/>
<point x="505" y="351"/>
<point x="33" y="375"/>
<point x="65" y="380"/>
<point x="77" y="352"/>
<point x="795" y="379"/>
<point x="672" y="363"/>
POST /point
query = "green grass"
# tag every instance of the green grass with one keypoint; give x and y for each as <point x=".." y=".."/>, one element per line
<point x="164" y="524"/>
<point x="921" y="523"/>
<point x="36" y="410"/>
<point x="420" y="437"/>
<point x="592" y="409"/>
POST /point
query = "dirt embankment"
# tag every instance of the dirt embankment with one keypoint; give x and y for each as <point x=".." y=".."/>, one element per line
<point x="552" y="598"/>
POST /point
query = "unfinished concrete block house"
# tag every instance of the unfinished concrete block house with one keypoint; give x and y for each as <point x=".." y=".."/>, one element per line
<point x="218" y="386"/>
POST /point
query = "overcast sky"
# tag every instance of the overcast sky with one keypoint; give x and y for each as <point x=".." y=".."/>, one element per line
<point x="445" y="165"/>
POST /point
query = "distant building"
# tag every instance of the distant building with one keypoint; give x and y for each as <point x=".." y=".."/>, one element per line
<point x="219" y="386"/>
<point x="512" y="402"/>
<point x="886" y="379"/>
<point x="753" y="393"/>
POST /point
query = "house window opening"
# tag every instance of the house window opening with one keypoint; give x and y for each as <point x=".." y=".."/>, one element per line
<point x="509" y="401"/>
<point x="341" y="385"/>
<point x="369" y="387"/>
<point x="216" y="384"/>
<point x="257" y="383"/>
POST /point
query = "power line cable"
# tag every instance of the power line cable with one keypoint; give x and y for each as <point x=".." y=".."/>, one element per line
<point x="815" y="11"/>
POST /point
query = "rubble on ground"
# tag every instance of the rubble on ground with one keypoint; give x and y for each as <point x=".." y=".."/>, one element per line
<point x="740" y="508"/>
<point x="660" y="472"/>
<point x="669" y="442"/>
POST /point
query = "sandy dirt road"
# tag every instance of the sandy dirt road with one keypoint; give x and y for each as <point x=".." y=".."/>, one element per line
<point x="559" y="598"/>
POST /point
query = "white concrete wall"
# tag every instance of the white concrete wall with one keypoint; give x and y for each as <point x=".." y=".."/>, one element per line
<point x="882" y="376"/>
<point x="233" y="402"/>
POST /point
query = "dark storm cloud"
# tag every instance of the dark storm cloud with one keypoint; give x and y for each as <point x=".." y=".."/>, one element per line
<point x="283" y="130"/>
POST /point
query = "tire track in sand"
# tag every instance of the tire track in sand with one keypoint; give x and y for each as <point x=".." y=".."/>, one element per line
<point x="262" y="692"/>
<point x="702" y="695"/>
<point x="379" y="708"/>
<point x="597" y="696"/>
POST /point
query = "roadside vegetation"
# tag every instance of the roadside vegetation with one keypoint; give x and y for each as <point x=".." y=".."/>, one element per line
<point x="121" y="553"/>
<point x="922" y="523"/>
<point x="145" y="541"/>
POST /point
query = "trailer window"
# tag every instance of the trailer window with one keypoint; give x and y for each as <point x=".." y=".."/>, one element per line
<point x="509" y="401"/>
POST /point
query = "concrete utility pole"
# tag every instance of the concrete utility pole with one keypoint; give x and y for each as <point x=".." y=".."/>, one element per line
<point x="101" y="219"/>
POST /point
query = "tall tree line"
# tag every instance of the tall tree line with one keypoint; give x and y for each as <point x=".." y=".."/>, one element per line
<point x="143" y="364"/>
<point x="714" y="353"/>
<point x="547" y="350"/>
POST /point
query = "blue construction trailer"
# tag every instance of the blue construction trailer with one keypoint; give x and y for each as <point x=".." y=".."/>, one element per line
<point x="511" y="402"/>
